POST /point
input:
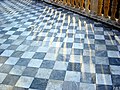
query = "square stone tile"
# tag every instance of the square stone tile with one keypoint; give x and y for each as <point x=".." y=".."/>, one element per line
<point x="39" y="55"/>
<point x="3" y="59"/>
<point x="90" y="68"/>
<point x="8" y="41"/>
<point x="77" y="52"/>
<point x="112" y="47"/>
<point x="46" y="44"/>
<point x="30" y="37"/>
<point x="102" y="60"/>
<point x="79" y="36"/>
<point x="47" y="64"/>
<point x="5" y="68"/>
<point x="49" y="39"/>
<point x="60" y="65"/>
<point x="87" y="86"/>
<point x="27" y="42"/>
<point x="114" y="61"/>
<point x="17" y="70"/>
<point x="57" y="75"/>
<point x="88" y="78"/>
<point x="22" y="48"/>
<point x="17" y="54"/>
<point x="104" y="79"/>
<point x="43" y="73"/>
<point x="102" y="53"/>
<point x="65" y="51"/>
<point x="72" y="76"/>
<point x="28" y="55"/>
<point x="35" y="63"/>
<point x="74" y="67"/>
<point x="67" y="45"/>
<point x="89" y="53"/>
<point x="2" y="77"/>
<point x="14" y="37"/>
<point x="54" y="85"/>
<point x="101" y="37"/>
<point x="25" y="33"/>
<point x="50" y="56"/>
<point x="76" y="58"/>
<point x="57" y="39"/>
<point x="56" y="44"/>
<point x="104" y="87"/>
<point x="2" y="40"/>
<point x="12" y="47"/>
<point x="24" y="82"/>
<point x="100" y="42"/>
<point x="32" y="48"/>
<point x="42" y="49"/>
<point x="109" y="42"/>
<point x="5" y="87"/>
<point x="53" y="50"/>
<point x="36" y="43"/>
<point x="19" y="88"/>
<point x="12" y="61"/>
<point x="88" y="60"/>
<point x="1" y="51"/>
<point x="69" y="40"/>
<point x="10" y="80"/>
<point x="114" y="54"/>
<point x="7" y="53"/>
<point x="63" y="57"/>
<point x="21" y="29"/>
<point x="30" y="71"/>
<point x="103" y="69"/>
<point x="23" y="62"/>
<point x="89" y="46"/>
<point x="10" y="32"/>
<point x="115" y="80"/>
<point x="70" y="85"/>
<point x="39" y="84"/>
<point x="115" y="69"/>
<point x="78" y="45"/>
<point x="100" y="47"/>
<point x="60" y="35"/>
<point x="18" y="42"/>
<point x="4" y="46"/>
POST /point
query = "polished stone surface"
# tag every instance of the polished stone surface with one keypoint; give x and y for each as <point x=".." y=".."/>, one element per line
<point x="43" y="47"/>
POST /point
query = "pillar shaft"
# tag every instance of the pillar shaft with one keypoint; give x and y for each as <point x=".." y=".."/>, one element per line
<point x="114" y="9"/>
<point x="77" y="3"/>
<point x="81" y="4"/>
<point x="100" y="2"/>
<point x="87" y="3"/>
<point x="106" y="7"/>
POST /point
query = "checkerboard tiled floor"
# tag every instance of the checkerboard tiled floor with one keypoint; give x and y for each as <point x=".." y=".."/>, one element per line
<point x="47" y="48"/>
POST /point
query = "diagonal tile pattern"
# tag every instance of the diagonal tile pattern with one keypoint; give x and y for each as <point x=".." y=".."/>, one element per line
<point x="47" y="48"/>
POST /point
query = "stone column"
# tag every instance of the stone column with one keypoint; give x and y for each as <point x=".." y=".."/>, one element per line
<point x="93" y="6"/>
<point x="100" y="2"/>
<point x="64" y="2"/>
<point x="72" y="3"/>
<point x="68" y="2"/>
<point x="106" y="8"/>
<point x="119" y="15"/>
<point x="81" y="4"/>
<point x="87" y="3"/>
<point x="114" y="9"/>
<point x="77" y="3"/>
